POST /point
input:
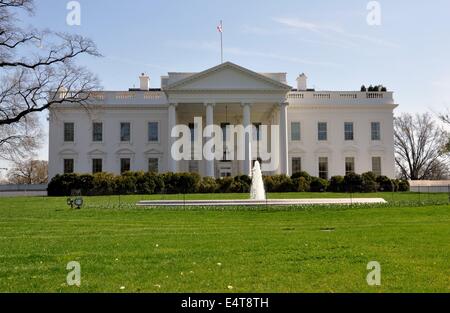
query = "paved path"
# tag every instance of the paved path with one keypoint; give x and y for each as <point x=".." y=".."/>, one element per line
<point x="273" y="202"/>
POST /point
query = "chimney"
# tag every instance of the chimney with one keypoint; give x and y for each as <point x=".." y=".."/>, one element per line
<point x="302" y="82"/>
<point x="144" y="82"/>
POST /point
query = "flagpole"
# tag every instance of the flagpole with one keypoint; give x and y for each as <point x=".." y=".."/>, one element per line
<point x="221" y="42"/>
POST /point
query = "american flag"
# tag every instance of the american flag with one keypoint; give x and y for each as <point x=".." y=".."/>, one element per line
<point x="220" y="28"/>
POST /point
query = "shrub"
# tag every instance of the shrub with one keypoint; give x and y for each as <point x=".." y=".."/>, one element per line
<point x="61" y="185"/>
<point x="353" y="182"/>
<point x="300" y="184"/>
<point x="318" y="184"/>
<point x="175" y="183"/>
<point x="85" y="183"/>
<point x="369" y="182"/>
<point x="148" y="183"/>
<point x="403" y="185"/>
<point x="385" y="183"/>
<point x="208" y="185"/>
<point x="240" y="184"/>
<point x="337" y="184"/>
<point x="126" y="183"/>
<point x="223" y="184"/>
<point x="279" y="183"/>
<point x="303" y="174"/>
<point x="104" y="184"/>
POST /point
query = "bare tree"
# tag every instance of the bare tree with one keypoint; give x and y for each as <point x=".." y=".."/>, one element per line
<point x="420" y="147"/>
<point x="29" y="172"/>
<point x="37" y="71"/>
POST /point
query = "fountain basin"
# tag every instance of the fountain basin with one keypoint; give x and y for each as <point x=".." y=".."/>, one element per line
<point x="271" y="202"/>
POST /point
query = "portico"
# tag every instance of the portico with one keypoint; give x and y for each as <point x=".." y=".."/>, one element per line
<point x="229" y="95"/>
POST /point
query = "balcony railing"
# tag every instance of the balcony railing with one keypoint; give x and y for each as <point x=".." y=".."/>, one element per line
<point x="124" y="97"/>
<point x="340" y="98"/>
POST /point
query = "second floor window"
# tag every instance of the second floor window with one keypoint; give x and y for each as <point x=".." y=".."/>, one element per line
<point x="125" y="132"/>
<point x="322" y="131"/>
<point x="69" y="132"/>
<point x="376" y="130"/>
<point x="97" y="132"/>
<point x="153" y="135"/>
<point x="348" y="131"/>
<point x="295" y="131"/>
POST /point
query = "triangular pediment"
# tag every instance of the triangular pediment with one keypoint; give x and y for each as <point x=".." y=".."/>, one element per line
<point x="228" y="76"/>
<point x="96" y="152"/>
<point x="152" y="151"/>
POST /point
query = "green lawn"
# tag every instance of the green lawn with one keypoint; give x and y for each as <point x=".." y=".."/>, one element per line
<point x="252" y="250"/>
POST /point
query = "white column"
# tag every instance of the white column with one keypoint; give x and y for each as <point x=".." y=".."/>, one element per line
<point x="284" y="169"/>
<point x="246" y="112"/>
<point x="172" y="122"/>
<point x="209" y="121"/>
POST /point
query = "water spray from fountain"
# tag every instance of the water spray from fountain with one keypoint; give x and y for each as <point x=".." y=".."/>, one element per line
<point x="257" y="191"/>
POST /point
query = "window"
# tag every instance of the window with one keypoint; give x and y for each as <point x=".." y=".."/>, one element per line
<point x="376" y="131"/>
<point x="153" y="165"/>
<point x="296" y="165"/>
<point x="226" y="152"/>
<point x="257" y="131"/>
<point x="193" y="166"/>
<point x="125" y="132"/>
<point x="125" y="165"/>
<point x="376" y="166"/>
<point x="322" y="131"/>
<point x="349" y="165"/>
<point x="69" y="132"/>
<point x="295" y="131"/>
<point x="192" y="131"/>
<point x="68" y="166"/>
<point x="348" y="131"/>
<point x="97" y="132"/>
<point x="97" y="166"/>
<point x="323" y="167"/>
<point x="153" y="134"/>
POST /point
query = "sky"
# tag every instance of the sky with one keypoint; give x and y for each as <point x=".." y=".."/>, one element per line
<point x="330" y="41"/>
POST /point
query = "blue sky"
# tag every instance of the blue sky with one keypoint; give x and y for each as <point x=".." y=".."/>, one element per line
<point x="328" y="40"/>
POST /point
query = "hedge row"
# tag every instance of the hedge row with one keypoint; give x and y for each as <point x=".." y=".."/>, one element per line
<point x="184" y="183"/>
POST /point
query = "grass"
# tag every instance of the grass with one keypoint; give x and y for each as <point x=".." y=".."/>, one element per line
<point x="252" y="250"/>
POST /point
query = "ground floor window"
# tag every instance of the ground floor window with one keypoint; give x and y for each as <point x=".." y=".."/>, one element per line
<point x="68" y="166"/>
<point x="153" y="165"/>
<point x="97" y="166"/>
<point x="193" y="166"/>
<point x="296" y="165"/>
<point x="323" y="167"/>
<point x="376" y="165"/>
<point x="125" y="165"/>
<point x="349" y="165"/>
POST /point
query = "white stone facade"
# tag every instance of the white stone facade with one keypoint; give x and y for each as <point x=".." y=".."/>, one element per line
<point x="356" y="127"/>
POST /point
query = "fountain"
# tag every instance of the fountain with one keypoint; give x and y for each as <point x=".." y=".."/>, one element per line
<point x="257" y="191"/>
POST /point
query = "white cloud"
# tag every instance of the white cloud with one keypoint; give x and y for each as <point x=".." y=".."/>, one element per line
<point x="330" y="32"/>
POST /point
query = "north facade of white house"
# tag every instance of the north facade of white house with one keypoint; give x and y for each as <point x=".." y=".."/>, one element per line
<point x="324" y="133"/>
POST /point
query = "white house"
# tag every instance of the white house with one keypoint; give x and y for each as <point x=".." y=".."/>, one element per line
<point x="324" y="133"/>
